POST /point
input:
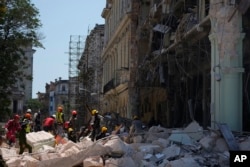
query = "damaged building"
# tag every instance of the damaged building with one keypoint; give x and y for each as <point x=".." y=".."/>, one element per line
<point x="177" y="61"/>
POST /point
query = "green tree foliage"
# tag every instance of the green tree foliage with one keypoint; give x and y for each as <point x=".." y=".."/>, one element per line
<point x="19" y="25"/>
<point x="34" y="104"/>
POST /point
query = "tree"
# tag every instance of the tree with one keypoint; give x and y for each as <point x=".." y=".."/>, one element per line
<point x="19" y="25"/>
<point x="34" y="104"/>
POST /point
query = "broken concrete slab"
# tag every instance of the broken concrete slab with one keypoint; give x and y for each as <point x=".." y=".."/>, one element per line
<point x="94" y="161"/>
<point x="180" y="137"/>
<point x="161" y="142"/>
<point x="194" y="130"/>
<point x="172" y="151"/>
<point x="220" y="145"/>
<point x="208" y="143"/>
<point x="121" y="162"/>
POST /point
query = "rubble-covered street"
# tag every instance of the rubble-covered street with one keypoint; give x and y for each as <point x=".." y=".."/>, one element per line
<point x="190" y="146"/>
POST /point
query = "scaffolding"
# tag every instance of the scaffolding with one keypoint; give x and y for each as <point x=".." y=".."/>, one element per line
<point x="76" y="46"/>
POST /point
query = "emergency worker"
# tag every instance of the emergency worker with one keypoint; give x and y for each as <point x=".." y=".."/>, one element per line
<point x="60" y="121"/>
<point x="49" y="124"/>
<point x="71" y="134"/>
<point x="37" y="121"/>
<point x="73" y="119"/>
<point x="12" y="127"/>
<point x="103" y="133"/>
<point x="22" y="138"/>
<point x="95" y="124"/>
<point x="29" y="123"/>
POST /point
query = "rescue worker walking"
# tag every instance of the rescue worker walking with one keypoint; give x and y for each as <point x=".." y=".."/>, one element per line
<point x="22" y="138"/>
<point x="12" y="127"/>
<point x="95" y="124"/>
<point x="60" y="121"/>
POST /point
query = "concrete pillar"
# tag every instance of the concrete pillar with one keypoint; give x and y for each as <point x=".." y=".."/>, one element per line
<point x="226" y="65"/>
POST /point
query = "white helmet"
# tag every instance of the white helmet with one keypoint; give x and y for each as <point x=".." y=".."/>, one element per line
<point x="29" y="110"/>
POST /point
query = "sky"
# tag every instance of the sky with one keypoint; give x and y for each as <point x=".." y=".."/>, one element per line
<point x="60" y="19"/>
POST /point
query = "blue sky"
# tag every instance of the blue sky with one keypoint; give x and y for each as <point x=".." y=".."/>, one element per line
<point x="60" y="19"/>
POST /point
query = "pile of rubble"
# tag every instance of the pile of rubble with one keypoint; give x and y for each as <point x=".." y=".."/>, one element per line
<point x="191" y="146"/>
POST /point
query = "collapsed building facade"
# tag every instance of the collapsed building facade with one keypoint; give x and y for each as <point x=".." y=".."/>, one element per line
<point x="177" y="61"/>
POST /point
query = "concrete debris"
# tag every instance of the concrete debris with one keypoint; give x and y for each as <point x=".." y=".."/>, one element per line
<point x="172" y="151"/>
<point x="183" y="162"/>
<point x="194" y="130"/>
<point x="180" y="137"/>
<point x="172" y="148"/>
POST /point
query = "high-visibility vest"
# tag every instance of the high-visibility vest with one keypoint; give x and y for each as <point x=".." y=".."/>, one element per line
<point x="28" y="128"/>
<point x="59" y="118"/>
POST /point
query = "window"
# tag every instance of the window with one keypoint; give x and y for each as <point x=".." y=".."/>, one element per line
<point x="63" y="88"/>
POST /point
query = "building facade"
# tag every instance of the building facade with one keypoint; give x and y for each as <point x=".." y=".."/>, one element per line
<point x="177" y="61"/>
<point x="119" y="58"/>
<point x="90" y="77"/>
<point x="22" y="90"/>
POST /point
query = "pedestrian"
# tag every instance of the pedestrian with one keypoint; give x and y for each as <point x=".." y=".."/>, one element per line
<point x="12" y="127"/>
<point x="49" y="124"/>
<point x="95" y="124"/>
<point x="60" y="121"/>
<point x="37" y="121"/>
<point x="22" y="138"/>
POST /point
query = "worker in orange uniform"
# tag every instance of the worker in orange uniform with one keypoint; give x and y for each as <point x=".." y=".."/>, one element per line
<point x="60" y="121"/>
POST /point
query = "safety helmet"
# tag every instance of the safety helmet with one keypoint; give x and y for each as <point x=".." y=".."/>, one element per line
<point x="66" y="124"/>
<point x="70" y="130"/>
<point x="60" y="109"/>
<point x="28" y="116"/>
<point x="93" y="112"/>
<point x="104" y="129"/>
<point x="74" y="113"/>
<point x="29" y="110"/>
<point x="53" y="116"/>
<point x="16" y="117"/>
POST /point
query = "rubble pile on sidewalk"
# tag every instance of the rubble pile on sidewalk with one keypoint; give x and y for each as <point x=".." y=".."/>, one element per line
<point x="191" y="146"/>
